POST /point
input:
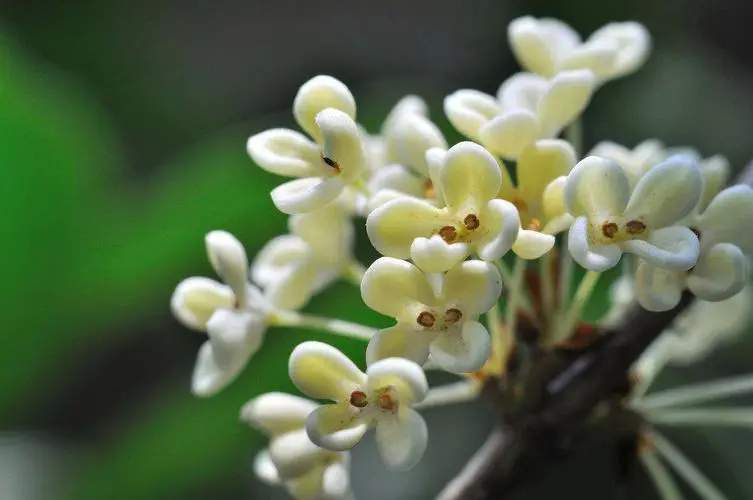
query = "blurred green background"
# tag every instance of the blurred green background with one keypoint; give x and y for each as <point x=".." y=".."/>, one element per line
<point x="122" y="142"/>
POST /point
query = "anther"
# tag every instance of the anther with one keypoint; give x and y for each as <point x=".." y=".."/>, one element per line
<point x="452" y="315"/>
<point x="534" y="225"/>
<point x="448" y="234"/>
<point x="610" y="229"/>
<point x="635" y="227"/>
<point x="471" y="222"/>
<point x="426" y="319"/>
<point x="332" y="163"/>
<point x="359" y="399"/>
<point x="429" y="189"/>
<point x="696" y="232"/>
<point x="386" y="402"/>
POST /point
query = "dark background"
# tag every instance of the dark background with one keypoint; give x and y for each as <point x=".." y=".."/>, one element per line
<point x="122" y="142"/>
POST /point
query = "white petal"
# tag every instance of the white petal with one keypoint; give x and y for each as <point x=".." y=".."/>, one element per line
<point x="592" y="257"/>
<point x="408" y="105"/>
<point x="285" y="152"/>
<point x="341" y="142"/>
<point x="295" y="287"/>
<point x="398" y="178"/>
<point x="473" y="285"/>
<point x="336" y="481"/>
<point x="405" y="376"/>
<point x="317" y="94"/>
<point x="265" y="469"/>
<point x="539" y="43"/>
<point x="322" y="372"/>
<point x="391" y="285"/>
<point x="636" y="162"/>
<point x="393" y="226"/>
<point x="633" y="44"/>
<point x="462" y="352"/>
<point x="566" y="98"/>
<point x="196" y="299"/>
<point x="294" y="454"/>
<point x="666" y="194"/>
<point x="673" y="247"/>
<point x="510" y="133"/>
<point x="228" y="258"/>
<point x="469" y="176"/>
<point x="715" y="172"/>
<point x="596" y="187"/>
<point x="305" y="195"/>
<point x="401" y="440"/>
<point x="276" y="257"/>
<point x="328" y="232"/>
<point x="414" y="135"/>
<point x="729" y="219"/>
<point x="541" y="164"/>
<point x="522" y="91"/>
<point x="381" y="198"/>
<point x="434" y="255"/>
<point x="307" y="486"/>
<point x="276" y="413"/>
<point x="335" y="427"/>
<point x="399" y="341"/>
<point x="468" y="110"/>
<point x="599" y="58"/>
<point x="532" y="244"/>
<point x="658" y="289"/>
<point x="554" y="198"/>
<point x="720" y="273"/>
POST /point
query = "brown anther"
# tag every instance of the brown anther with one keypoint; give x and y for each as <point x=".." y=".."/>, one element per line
<point x="471" y="222"/>
<point x="452" y="315"/>
<point x="386" y="402"/>
<point x="696" y="232"/>
<point x="520" y="204"/>
<point x="429" y="189"/>
<point x="332" y="163"/>
<point x="645" y="444"/>
<point x="610" y="229"/>
<point x="534" y="225"/>
<point x="448" y="233"/>
<point x="635" y="227"/>
<point x="426" y="319"/>
<point x="359" y="399"/>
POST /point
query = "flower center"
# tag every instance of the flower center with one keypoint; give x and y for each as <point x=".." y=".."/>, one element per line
<point x="610" y="229"/>
<point x="452" y="315"/>
<point x="534" y="225"/>
<point x="359" y="399"/>
<point x="635" y="227"/>
<point x="387" y="402"/>
<point x="471" y="222"/>
<point x="448" y="234"/>
<point x="426" y="319"/>
<point x="331" y="163"/>
<point x="429" y="189"/>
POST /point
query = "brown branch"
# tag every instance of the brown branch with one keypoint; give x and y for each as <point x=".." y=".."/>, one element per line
<point x="563" y="389"/>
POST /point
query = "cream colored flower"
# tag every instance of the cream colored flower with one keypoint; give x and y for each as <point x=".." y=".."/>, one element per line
<point x="469" y="179"/>
<point x="528" y="107"/>
<point x="609" y="220"/>
<point x="725" y="230"/>
<point x="539" y="195"/>
<point x="441" y="320"/>
<point x="634" y="162"/>
<point x="325" y="109"/>
<point x="306" y="470"/>
<point x="548" y="46"/>
<point x="381" y="397"/>
<point x="234" y="314"/>
<point x="294" y="267"/>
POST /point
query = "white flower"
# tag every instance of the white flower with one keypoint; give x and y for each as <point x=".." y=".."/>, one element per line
<point x="539" y="194"/>
<point x="307" y="471"/>
<point x="293" y="267"/>
<point x="634" y="162"/>
<point x="234" y="315"/>
<point x="528" y="107"/>
<point x="469" y="179"/>
<point x="381" y="397"/>
<point x="442" y="321"/>
<point x="725" y="230"/>
<point x="609" y="220"/>
<point x="548" y="46"/>
<point x="325" y="109"/>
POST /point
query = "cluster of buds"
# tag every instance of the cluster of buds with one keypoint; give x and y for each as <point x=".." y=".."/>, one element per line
<point x="456" y="233"/>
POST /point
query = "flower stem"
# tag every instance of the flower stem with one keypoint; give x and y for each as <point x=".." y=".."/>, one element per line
<point x="661" y="477"/>
<point x="547" y="285"/>
<point x="698" y="393"/>
<point x="515" y="295"/>
<point x="574" y="135"/>
<point x="457" y="392"/>
<point x="353" y="272"/>
<point x="723" y="417"/>
<point x="575" y="309"/>
<point x="331" y="325"/>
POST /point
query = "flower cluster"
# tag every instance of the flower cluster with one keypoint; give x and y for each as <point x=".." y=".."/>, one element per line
<point x="457" y="227"/>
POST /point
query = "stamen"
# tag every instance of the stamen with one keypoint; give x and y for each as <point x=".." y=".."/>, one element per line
<point x="453" y="315"/>
<point x="359" y="399"/>
<point x="429" y="189"/>
<point x="635" y="227"/>
<point x="520" y="204"/>
<point x="332" y="163"/>
<point x="448" y="234"/>
<point x="471" y="222"/>
<point x="610" y="229"/>
<point x="696" y="232"/>
<point x="534" y="225"/>
<point x="387" y="403"/>
<point x="426" y="319"/>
